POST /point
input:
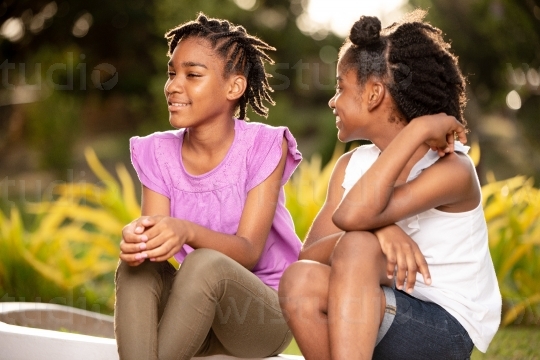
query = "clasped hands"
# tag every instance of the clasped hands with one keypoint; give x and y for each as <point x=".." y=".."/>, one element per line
<point x="156" y="238"/>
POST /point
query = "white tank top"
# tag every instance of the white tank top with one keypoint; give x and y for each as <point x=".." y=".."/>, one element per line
<point x="455" y="246"/>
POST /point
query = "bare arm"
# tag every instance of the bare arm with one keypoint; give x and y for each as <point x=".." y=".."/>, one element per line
<point x="324" y="234"/>
<point x="374" y="201"/>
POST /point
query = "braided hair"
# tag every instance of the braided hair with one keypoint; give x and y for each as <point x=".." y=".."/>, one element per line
<point x="243" y="54"/>
<point x="412" y="60"/>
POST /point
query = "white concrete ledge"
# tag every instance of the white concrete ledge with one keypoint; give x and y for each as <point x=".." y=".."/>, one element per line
<point x="30" y="331"/>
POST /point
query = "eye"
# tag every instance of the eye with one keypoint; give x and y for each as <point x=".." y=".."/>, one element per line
<point x="170" y="73"/>
<point x="193" y="75"/>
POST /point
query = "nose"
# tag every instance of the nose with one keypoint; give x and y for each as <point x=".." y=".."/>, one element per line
<point x="172" y="85"/>
<point x="332" y="102"/>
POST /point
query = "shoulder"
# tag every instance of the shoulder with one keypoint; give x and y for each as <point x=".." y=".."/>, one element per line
<point x="338" y="173"/>
<point x="259" y="131"/>
<point x="362" y="156"/>
<point x="456" y="173"/>
<point x="171" y="134"/>
<point x="152" y="142"/>
<point x="457" y="163"/>
<point x="262" y="139"/>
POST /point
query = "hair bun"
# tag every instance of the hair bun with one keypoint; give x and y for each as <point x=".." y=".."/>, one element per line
<point x="366" y="31"/>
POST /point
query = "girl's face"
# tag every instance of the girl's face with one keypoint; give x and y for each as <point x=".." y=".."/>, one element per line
<point x="347" y="105"/>
<point x="196" y="90"/>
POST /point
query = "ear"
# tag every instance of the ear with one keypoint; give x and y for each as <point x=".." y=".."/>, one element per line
<point x="237" y="87"/>
<point x="376" y="92"/>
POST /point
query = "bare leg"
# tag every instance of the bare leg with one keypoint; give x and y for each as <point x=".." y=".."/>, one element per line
<point x="356" y="301"/>
<point x="303" y="292"/>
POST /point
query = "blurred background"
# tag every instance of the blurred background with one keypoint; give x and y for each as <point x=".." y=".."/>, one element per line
<point x="79" y="78"/>
<point x="78" y="73"/>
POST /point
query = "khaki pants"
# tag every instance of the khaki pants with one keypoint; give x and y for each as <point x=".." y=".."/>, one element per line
<point x="211" y="305"/>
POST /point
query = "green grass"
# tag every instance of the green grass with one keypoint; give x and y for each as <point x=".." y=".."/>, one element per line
<point x="513" y="343"/>
<point x="510" y="343"/>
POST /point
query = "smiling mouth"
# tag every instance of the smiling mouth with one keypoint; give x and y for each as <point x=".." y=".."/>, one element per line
<point x="177" y="104"/>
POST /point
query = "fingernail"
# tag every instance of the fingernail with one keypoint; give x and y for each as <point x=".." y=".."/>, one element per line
<point x="138" y="257"/>
<point x="390" y="276"/>
<point x="144" y="238"/>
<point x="138" y="229"/>
<point x="410" y="290"/>
<point x="144" y="255"/>
<point x="400" y="287"/>
<point x="142" y="246"/>
<point x="447" y="150"/>
<point x="153" y="259"/>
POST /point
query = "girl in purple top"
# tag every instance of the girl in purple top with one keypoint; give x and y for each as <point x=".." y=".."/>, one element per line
<point x="212" y="198"/>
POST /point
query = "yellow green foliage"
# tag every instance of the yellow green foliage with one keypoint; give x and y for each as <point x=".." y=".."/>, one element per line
<point x="306" y="191"/>
<point x="512" y="211"/>
<point x="77" y="234"/>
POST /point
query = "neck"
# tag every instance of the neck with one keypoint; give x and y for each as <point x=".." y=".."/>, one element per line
<point x="386" y="137"/>
<point x="211" y="138"/>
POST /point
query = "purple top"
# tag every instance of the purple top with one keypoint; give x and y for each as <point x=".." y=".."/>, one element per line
<point x="216" y="199"/>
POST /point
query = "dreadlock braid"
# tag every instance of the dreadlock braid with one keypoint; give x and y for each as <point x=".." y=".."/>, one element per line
<point x="243" y="54"/>
<point x="413" y="61"/>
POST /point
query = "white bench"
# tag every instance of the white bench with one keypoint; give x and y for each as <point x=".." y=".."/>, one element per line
<point x="29" y="331"/>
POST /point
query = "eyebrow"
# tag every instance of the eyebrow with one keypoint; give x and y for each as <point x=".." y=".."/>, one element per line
<point x="188" y="64"/>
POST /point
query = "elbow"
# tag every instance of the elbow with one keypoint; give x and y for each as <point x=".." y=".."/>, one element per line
<point x="249" y="262"/>
<point x="344" y="221"/>
<point x="349" y="221"/>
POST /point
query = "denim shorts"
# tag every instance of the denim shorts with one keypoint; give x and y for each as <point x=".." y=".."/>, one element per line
<point x="416" y="329"/>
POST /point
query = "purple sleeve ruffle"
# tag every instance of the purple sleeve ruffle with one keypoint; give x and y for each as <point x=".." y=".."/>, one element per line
<point x="143" y="158"/>
<point x="266" y="154"/>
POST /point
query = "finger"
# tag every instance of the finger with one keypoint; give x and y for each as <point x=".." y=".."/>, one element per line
<point x="390" y="263"/>
<point x="164" y="251"/>
<point x="423" y="267"/>
<point x="150" y="221"/>
<point x="141" y="224"/>
<point x="160" y="252"/>
<point x="450" y="138"/>
<point x="133" y="238"/>
<point x="411" y="271"/>
<point x="155" y="231"/>
<point x="128" y="232"/>
<point x="461" y="135"/>
<point x="401" y="270"/>
<point x="132" y="248"/>
<point x="133" y="258"/>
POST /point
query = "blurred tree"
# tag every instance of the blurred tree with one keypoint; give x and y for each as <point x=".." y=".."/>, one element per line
<point x="498" y="44"/>
<point x="110" y="58"/>
<point x="95" y="55"/>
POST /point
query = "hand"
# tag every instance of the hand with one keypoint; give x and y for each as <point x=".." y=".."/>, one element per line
<point x="441" y="132"/>
<point x="163" y="236"/>
<point x="401" y="251"/>
<point x="133" y="240"/>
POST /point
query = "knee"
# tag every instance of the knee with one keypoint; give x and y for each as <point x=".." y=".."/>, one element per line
<point x="147" y="274"/>
<point x="297" y="278"/>
<point x="202" y="261"/>
<point x="355" y="246"/>
<point x="206" y="267"/>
